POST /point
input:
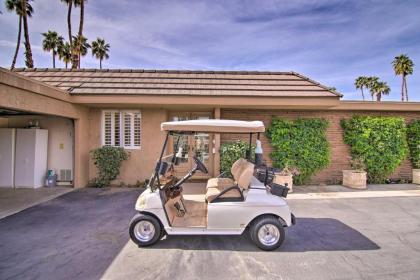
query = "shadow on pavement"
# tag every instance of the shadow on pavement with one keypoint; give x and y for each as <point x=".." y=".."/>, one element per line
<point x="325" y="234"/>
<point x="75" y="236"/>
<point x="309" y="234"/>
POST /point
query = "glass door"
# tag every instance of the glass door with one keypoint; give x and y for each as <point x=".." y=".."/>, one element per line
<point x="200" y="144"/>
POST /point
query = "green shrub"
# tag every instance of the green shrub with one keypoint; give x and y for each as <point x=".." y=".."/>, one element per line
<point x="301" y="143"/>
<point x="413" y="137"/>
<point x="231" y="152"/>
<point x="108" y="161"/>
<point x="379" y="141"/>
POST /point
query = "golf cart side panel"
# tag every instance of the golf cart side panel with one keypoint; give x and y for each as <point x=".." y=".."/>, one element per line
<point x="150" y="202"/>
<point x="230" y="215"/>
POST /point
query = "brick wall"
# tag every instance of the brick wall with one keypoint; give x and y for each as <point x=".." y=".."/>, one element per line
<point x="339" y="150"/>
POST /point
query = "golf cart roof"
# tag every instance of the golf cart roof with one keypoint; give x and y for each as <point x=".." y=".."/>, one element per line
<point x="213" y="125"/>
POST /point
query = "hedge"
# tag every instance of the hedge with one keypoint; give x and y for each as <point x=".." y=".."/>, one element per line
<point x="301" y="143"/>
<point x="379" y="141"/>
<point x="231" y="152"/>
<point x="108" y="161"/>
<point x="413" y="137"/>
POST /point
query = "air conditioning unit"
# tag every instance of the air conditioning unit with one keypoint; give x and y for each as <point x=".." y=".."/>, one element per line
<point x="65" y="177"/>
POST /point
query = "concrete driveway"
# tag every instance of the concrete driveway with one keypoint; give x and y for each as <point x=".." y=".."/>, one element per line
<point x="83" y="235"/>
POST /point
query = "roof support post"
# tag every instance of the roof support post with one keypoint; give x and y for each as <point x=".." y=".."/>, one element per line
<point x="216" y="146"/>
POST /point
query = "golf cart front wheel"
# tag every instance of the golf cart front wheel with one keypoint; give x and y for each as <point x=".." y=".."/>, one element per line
<point x="145" y="230"/>
<point x="267" y="233"/>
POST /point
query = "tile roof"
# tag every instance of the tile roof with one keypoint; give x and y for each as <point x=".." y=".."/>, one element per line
<point x="179" y="82"/>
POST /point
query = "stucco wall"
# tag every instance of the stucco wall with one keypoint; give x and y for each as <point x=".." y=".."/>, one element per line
<point x="142" y="161"/>
<point x="60" y="139"/>
<point x="339" y="150"/>
<point x="4" y="122"/>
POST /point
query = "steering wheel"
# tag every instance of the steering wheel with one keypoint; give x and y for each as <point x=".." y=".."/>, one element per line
<point x="200" y="165"/>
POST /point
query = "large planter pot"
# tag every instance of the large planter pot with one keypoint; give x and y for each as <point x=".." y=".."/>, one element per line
<point x="283" y="180"/>
<point x="354" y="179"/>
<point x="416" y="176"/>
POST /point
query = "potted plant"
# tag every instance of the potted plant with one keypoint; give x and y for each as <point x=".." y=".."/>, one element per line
<point x="355" y="178"/>
<point x="285" y="176"/>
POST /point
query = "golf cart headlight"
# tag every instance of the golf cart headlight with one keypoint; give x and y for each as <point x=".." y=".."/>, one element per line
<point x="141" y="203"/>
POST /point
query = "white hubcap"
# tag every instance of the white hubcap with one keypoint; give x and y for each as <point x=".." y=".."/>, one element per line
<point x="268" y="234"/>
<point x="144" y="231"/>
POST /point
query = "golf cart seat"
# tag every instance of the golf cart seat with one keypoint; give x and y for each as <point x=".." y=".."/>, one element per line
<point x="220" y="182"/>
<point x="233" y="192"/>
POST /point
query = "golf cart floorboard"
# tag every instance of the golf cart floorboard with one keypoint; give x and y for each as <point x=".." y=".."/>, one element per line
<point x="195" y="216"/>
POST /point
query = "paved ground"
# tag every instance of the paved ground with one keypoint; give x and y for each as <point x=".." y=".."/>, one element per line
<point x="83" y="235"/>
<point x="14" y="200"/>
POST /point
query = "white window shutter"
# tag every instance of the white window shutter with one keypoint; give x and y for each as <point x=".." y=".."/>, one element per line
<point x="137" y="129"/>
<point x="127" y="129"/>
<point x="107" y="129"/>
<point x="122" y="129"/>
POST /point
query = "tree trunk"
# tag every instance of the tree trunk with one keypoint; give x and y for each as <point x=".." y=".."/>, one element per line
<point x="406" y="90"/>
<point x="378" y="97"/>
<point x="402" y="88"/>
<point x="29" y="60"/>
<point x="17" y="44"/>
<point x="76" y="62"/>
<point x="53" y="55"/>
<point x="363" y="95"/>
<point x="66" y="64"/>
<point x="82" y="14"/>
<point x="100" y="63"/>
<point x="69" y="23"/>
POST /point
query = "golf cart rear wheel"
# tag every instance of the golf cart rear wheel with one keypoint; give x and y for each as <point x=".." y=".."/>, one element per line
<point x="267" y="233"/>
<point x="145" y="230"/>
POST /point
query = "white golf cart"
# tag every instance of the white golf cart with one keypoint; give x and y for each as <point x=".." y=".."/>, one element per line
<point x="227" y="206"/>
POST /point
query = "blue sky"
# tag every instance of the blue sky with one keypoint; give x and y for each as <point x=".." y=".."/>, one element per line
<point x="329" y="41"/>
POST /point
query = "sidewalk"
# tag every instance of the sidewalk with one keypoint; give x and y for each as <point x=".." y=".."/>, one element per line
<point x="14" y="200"/>
<point x="338" y="191"/>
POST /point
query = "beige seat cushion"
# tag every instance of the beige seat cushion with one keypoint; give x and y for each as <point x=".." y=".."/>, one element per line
<point x="220" y="182"/>
<point x="246" y="174"/>
<point x="236" y="169"/>
<point x="242" y="172"/>
<point x="212" y="193"/>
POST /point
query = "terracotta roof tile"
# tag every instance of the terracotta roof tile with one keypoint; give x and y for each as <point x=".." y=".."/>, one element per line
<point x="179" y="82"/>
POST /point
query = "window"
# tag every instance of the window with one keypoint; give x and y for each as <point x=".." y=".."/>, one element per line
<point x="121" y="128"/>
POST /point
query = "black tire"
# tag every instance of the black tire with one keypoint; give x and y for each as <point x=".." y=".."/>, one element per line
<point x="152" y="222"/>
<point x="269" y="221"/>
<point x="162" y="234"/>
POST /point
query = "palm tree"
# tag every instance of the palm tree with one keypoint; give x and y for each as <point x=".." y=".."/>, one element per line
<point x="80" y="48"/>
<point x="370" y="84"/>
<point x="16" y="6"/>
<point x="100" y="50"/>
<point x="360" y="83"/>
<point x="29" y="61"/>
<point x="64" y="53"/>
<point x="403" y="66"/>
<point x="52" y="42"/>
<point x="77" y="47"/>
<point x="380" y="88"/>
